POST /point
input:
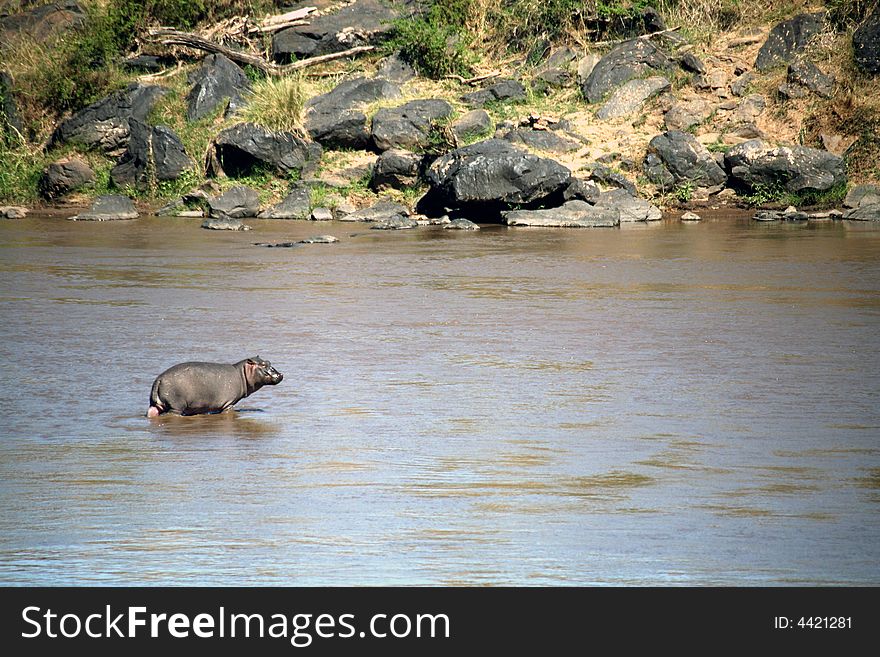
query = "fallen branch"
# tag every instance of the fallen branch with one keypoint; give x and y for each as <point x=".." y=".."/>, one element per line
<point x="282" y="21"/>
<point x="171" y="37"/>
<point x="474" y="80"/>
<point x="643" y="36"/>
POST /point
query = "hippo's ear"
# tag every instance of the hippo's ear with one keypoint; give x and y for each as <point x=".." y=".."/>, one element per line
<point x="256" y="360"/>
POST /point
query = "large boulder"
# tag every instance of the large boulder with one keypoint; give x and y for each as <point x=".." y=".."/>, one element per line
<point x="866" y="44"/>
<point x="795" y="169"/>
<point x="409" y="126"/>
<point x="215" y="82"/>
<point x="153" y="154"/>
<point x="245" y="147"/>
<point x="631" y="96"/>
<point x="788" y="39"/>
<point x="360" y="23"/>
<point x="64" y="176"/>
<point x="296" y="205"/>
<point x="396" y="168"/>
<point x="235" y="203"/>
<point x="632" y="59"/>
<point x="491" y="173"/>
<point x="472" y="124"/>
<point x="572" y="214"/>
<point x="630" y="208"/>
<point x="112" y="207"/>
<point x="381" y="211"/>
<point x="104" y="124"/>
<point x="542" y="140"/>
<point x="686" y="159"/>
<point x="862" y="203"/>
<point x="335" y="120"/>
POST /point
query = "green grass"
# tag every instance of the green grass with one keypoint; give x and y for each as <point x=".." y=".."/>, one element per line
<point x="276" y="104"/>
<point x="764" y="193"/>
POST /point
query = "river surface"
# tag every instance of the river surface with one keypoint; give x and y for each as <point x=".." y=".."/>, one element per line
<point x="693" y="404"/>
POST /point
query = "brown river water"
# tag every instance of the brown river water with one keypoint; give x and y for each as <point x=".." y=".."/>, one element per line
<point x="668" y="404"/>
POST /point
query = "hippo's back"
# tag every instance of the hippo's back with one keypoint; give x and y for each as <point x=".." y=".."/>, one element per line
<point x="198" y="387"/>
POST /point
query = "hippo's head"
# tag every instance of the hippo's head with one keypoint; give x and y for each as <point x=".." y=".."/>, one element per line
<point x="259" y="372"/>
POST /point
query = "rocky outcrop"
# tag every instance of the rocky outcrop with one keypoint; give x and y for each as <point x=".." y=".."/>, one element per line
<point x="686" y="114"/>
<point x="601" y="173"/>
<point x="111" y="207"/>
<point x="787" y="40"/>
<point x="397" y="169"/>
<point x="579" y="189"/>
<point x="632" y="59"/>
<point x="153" y="154"/>
<point x="409" y="126"/>
<point x="685" y="159"/>
<point x="104" y="124"/>
<point x="795" y="169"/>
<point x="65" y="176"/>
<point x="217" y="81"/>
<point x="631" y="96"/>
<point x="335" y="120"/>
<point x="236" y="203"/>
<point x="239" y="150"/>
<point x="360" y="23"/>
<point x="296" y="205"/>
<point x="394" y="69"/>
<point x="490" y="173"/>
<point x="498" y="92"/>
<point x="572" y="214"/>
<point x="866" y="44"/>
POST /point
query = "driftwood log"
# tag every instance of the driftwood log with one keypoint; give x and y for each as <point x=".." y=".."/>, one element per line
<point x="171" y="37"/>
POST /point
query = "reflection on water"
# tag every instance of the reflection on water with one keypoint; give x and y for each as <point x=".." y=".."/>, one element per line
<point x="678" y="403"/>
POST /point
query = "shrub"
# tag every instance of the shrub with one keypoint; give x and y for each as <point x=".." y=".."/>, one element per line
<point x="434" y="49"/>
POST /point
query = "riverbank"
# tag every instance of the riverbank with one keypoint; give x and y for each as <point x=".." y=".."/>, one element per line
<point x="580" y="124"/>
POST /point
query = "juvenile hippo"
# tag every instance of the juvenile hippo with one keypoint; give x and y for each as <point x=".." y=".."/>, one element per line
<point x="193" y="388"/>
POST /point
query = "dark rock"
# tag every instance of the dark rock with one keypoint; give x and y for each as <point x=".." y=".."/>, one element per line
<point x="808" y="75"/>
<point x="224" y="222"/>
<point x="789" y="91"/>
<point x="104" y="124"/>
<point x="500" y="91"/>
<point x="10" y="122"/>
<point x="794" y="169"/>
<point x="296" y="205"/>
<point x="65" y="176"/>
<point x="215" y="82"/>
<point x="630" y="97"/>
<point x="408" y="126"/>
<point x="490" y="173"/>
<point x="542" y="140"/>
<point x="767" y="215"/>
<point x="363" y="22"/>
<point x="42" y="23"/>
<point x="475" y="123"/>
<point x="153" y="154"/>
<point x="611" y="178"/>
<point x="334" y="119"/>
<point x="396" y="168"/>
<point x="862" y="195"/>
<point x="636" y="58"/>
<point x="109" y="208"/>
<point x="652" y="20"/>
<point x="866" y="44"/>
<point x="630" y="208"/>
<point x="461" y="224"/>
<point x="582" y="190"/>
<point x="381" y="211"/>
<point x="239" y="150"/>
<point x="869" y="212"/>
<point x="395" y="222"/>
<point x="572" y="214"/>
<point x="690" y="62"/>
<point x="657" y="172"/>
<point x="146" y="64"/>
<point x="687" y="159"/>
<point x="236" y="203"/>
<point x="394" y="69"/>
<point x="788" y="39"/>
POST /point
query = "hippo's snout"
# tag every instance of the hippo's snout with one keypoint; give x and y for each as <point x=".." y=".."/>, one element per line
<point x="275" y="377"/>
